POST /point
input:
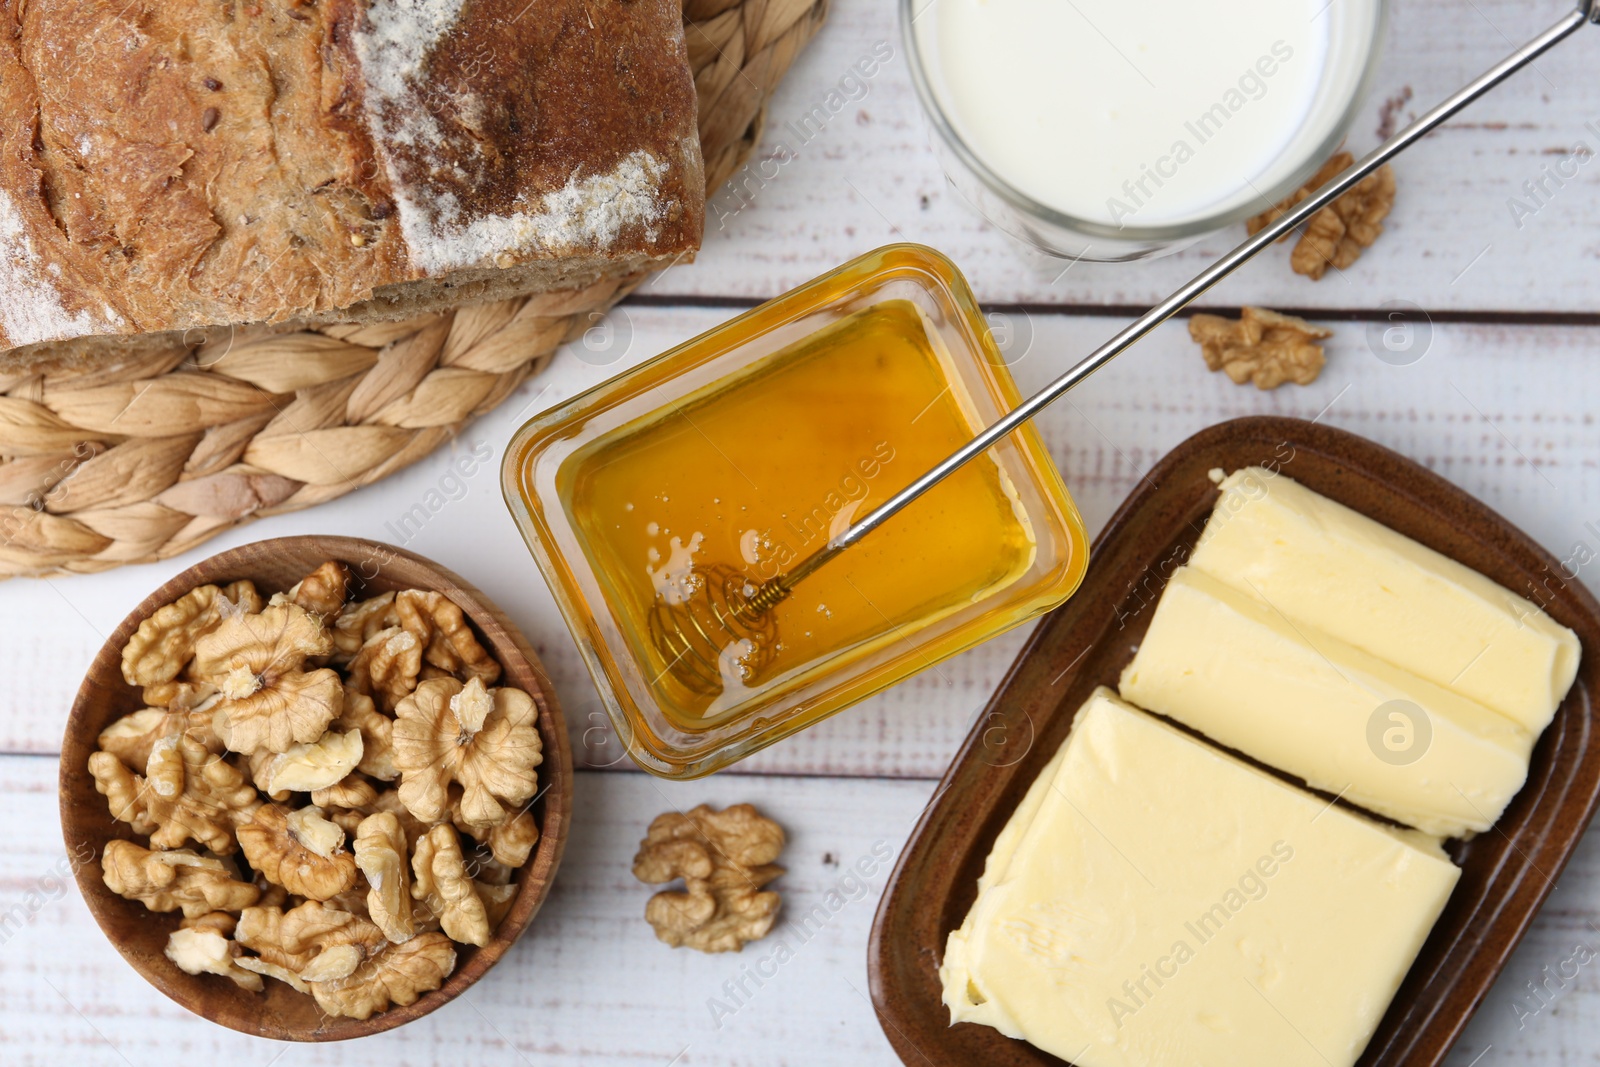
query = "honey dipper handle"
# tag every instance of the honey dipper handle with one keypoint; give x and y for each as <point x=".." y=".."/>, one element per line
<point x="1586" y="11"/>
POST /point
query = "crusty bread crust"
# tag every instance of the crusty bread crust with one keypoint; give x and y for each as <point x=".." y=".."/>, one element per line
<point x="167" y="165"/>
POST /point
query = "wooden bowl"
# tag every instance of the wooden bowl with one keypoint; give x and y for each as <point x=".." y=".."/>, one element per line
<point x="1505" y="875"/>
<point x="141" y="936"/>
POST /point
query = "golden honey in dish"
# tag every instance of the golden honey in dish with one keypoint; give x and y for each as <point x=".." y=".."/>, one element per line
<point x="683" y="484"/>
<point x="757" y="474"/>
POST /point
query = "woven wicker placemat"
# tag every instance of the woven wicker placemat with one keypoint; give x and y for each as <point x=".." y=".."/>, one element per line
<point x="143" y="461"/>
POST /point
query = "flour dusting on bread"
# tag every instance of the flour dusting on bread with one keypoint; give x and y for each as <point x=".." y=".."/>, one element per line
<point x="589" y="214"/>
<point x="394" y="48"/>
<point x="30" y="307"/>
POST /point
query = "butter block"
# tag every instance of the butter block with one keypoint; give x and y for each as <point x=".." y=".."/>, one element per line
<point x="1156" y="901"/>
<point x="1295" y="698"/>
<point x="1318" y="561"/>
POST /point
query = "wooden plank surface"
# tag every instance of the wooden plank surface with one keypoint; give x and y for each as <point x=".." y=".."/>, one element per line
<point x="1499" y="399"/>
<point x="590" y="984"/>
<point x="813" y="199"/>
<point x="1498" y="410"/>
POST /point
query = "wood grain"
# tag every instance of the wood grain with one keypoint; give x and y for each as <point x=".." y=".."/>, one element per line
<point x="1504" y="412"/>
<point x="869" y="177"/>
<point x="141" y="936"/>
<point x="589" y="984"/>
<point x="1499" y="406"/>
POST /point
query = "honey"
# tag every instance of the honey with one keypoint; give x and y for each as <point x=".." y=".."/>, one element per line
<point x="763" y="471"/>
<point x="729" y="460"/>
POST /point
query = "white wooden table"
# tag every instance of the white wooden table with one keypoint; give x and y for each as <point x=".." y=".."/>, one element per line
<point x="1502" y="402"/>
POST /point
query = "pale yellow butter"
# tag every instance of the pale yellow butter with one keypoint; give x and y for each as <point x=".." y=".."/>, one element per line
<point x="1154" y="901"/>
<point x="1291" y="696"/>
<point x="1318" y="561"/>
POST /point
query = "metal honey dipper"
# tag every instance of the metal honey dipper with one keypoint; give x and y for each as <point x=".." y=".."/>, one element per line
<point x="729" y="608"/>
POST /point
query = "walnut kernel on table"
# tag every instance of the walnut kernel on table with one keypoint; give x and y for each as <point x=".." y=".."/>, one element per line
<point x="1261" y="346"/>
<point x="725" y="860"/>
<point x="308" y="867"/>
<point x="1338" y="234"/>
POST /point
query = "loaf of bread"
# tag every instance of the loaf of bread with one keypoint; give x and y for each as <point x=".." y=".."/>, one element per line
<point x="172" y="165"/>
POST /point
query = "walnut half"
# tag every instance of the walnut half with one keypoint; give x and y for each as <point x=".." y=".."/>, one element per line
<point x="485" y="740"/>
<point x="198" y="950"/>
<point x="1261" y="346"/>
<point x="270" y="699"/>
<point x="173" y="880"/>
<point x="308" y="943"/>
<point x="164" y="643"/>
<point x="193" y="796"/>
<point x="396" y="975"/>
<point x="442" y="884"/>
<point x="1338" y="234"/>
<point x="380" y="849"/>
<point x="299" y="850"/>
<point x="724" y="859"/>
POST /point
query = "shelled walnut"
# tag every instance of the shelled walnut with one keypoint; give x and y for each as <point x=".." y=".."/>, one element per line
<point x="323" y="591"/>
<point x="482" y="740"/>
<point x="1261" y="346"/>
<point x="202" y="946"/>
<point x="331" y="847"/>
<point x="396" y="976"/>
<point x="724" y="859"/>
<point x="441" y="883"/>
<point x="380" y="848"/>
<point x="1338" y="234"/>
<point x="198" y="801"/>
<point x="299" y="850"/>
<point x="271" y="697"/>
<point x="163" y="645"/>
<point x="174" y="880"/>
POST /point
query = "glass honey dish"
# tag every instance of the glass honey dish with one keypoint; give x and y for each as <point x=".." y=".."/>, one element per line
<point x="741" y="452"/>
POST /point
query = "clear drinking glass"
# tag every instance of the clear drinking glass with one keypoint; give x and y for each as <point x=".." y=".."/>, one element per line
<point x="1354" y="49"/>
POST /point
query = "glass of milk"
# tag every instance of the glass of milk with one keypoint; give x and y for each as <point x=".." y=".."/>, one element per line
<point x="1109" y="130"/>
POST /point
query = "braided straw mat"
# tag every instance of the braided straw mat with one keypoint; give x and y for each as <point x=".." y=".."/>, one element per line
<point x="105" y="466"/>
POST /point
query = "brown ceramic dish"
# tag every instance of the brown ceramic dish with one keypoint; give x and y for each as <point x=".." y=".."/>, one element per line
<point x="280" y="1012"/>
<point x="1506" y="874"/>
